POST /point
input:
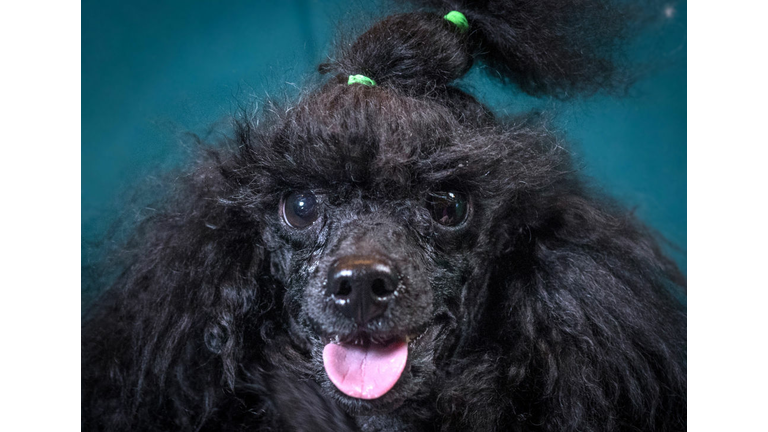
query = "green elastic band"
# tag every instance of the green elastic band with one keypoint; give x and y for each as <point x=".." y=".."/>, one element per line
<point x="361" y="79"/>
<point x="459" y="19"/>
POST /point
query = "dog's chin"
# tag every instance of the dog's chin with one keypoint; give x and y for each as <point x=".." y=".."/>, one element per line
<point x="412" y="382"/>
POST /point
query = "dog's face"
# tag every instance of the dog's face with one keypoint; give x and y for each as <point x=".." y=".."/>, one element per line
<point x="384" y="241"/>
<point x="377" y="281"/>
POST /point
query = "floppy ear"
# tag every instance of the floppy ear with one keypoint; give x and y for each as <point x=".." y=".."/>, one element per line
<point x="591" y="326"/>
<point x="171" y="323"/>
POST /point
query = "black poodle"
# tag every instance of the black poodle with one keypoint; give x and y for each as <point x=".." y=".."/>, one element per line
<point x="385" y="254"/>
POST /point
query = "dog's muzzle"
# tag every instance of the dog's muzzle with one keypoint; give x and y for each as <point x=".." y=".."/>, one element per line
<point x="362" y="288"/>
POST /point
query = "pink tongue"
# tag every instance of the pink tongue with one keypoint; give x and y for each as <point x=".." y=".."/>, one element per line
<point x="365" y="372"/>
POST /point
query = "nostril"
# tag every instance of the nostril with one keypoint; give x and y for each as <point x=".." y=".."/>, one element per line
<point x="345" y="289"/>
<point x="380" y="288"/>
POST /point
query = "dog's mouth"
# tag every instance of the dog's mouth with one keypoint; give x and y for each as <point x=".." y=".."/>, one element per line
<point x="364" y="368"/>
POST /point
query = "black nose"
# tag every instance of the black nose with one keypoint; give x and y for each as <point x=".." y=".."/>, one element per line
<point x="361" y="286"/>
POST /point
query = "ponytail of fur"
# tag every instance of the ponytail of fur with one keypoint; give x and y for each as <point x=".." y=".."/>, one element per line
<point x="559" y="48"/>
<point x="413" y="51"/>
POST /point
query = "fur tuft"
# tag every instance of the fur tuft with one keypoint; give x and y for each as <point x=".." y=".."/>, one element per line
<point x="546" y="48"/>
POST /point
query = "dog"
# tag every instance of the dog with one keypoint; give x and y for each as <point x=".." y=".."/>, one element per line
<point x="386" y="254"/>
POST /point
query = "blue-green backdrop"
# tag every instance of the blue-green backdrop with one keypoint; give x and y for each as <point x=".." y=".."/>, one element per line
<point x="151" y="69"/>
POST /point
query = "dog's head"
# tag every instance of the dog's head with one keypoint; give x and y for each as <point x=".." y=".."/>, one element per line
<point x="385" y="216"/>
<point x="392" y="208"/>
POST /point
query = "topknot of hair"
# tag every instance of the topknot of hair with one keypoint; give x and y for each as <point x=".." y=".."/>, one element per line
<point x="412" y="52"/>
<point x="559" y="48"/>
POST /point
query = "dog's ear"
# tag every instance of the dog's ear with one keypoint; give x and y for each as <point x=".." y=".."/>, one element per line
<point x="172" y="320"/>
<point x="589" y="308"/>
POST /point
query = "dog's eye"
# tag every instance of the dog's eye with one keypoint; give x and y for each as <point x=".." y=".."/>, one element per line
<point x="448" y="208"/>
<point x="300" y="209"/>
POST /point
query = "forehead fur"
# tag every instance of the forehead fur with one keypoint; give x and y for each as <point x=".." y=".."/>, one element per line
<point x="382" y="140"/>
<point x="361" y="135"/>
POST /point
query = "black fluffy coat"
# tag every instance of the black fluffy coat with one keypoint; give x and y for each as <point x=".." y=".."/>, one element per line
<point x="550" y="309"/>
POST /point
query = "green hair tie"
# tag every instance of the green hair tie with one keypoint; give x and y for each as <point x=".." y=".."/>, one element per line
<point x="459" y="19"/>
<point x="361" y="79"/>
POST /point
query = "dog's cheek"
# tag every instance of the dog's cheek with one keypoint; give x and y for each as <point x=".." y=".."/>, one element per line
<point x="449" y="277"/>
<point x="279" y="264"/>
<point x="304" y="295"/>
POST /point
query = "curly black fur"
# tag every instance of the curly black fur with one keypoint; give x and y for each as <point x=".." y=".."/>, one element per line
<point x="550" y="309"/>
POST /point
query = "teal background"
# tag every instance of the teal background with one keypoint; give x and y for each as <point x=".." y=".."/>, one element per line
<point x="154" y="69"/>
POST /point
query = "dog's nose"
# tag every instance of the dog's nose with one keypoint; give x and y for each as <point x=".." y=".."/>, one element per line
<point x="361" y="287"/>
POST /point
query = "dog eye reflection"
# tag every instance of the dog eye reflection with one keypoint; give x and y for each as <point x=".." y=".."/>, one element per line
<point x="448" y="208"/>
<point x="300" y="209"/>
